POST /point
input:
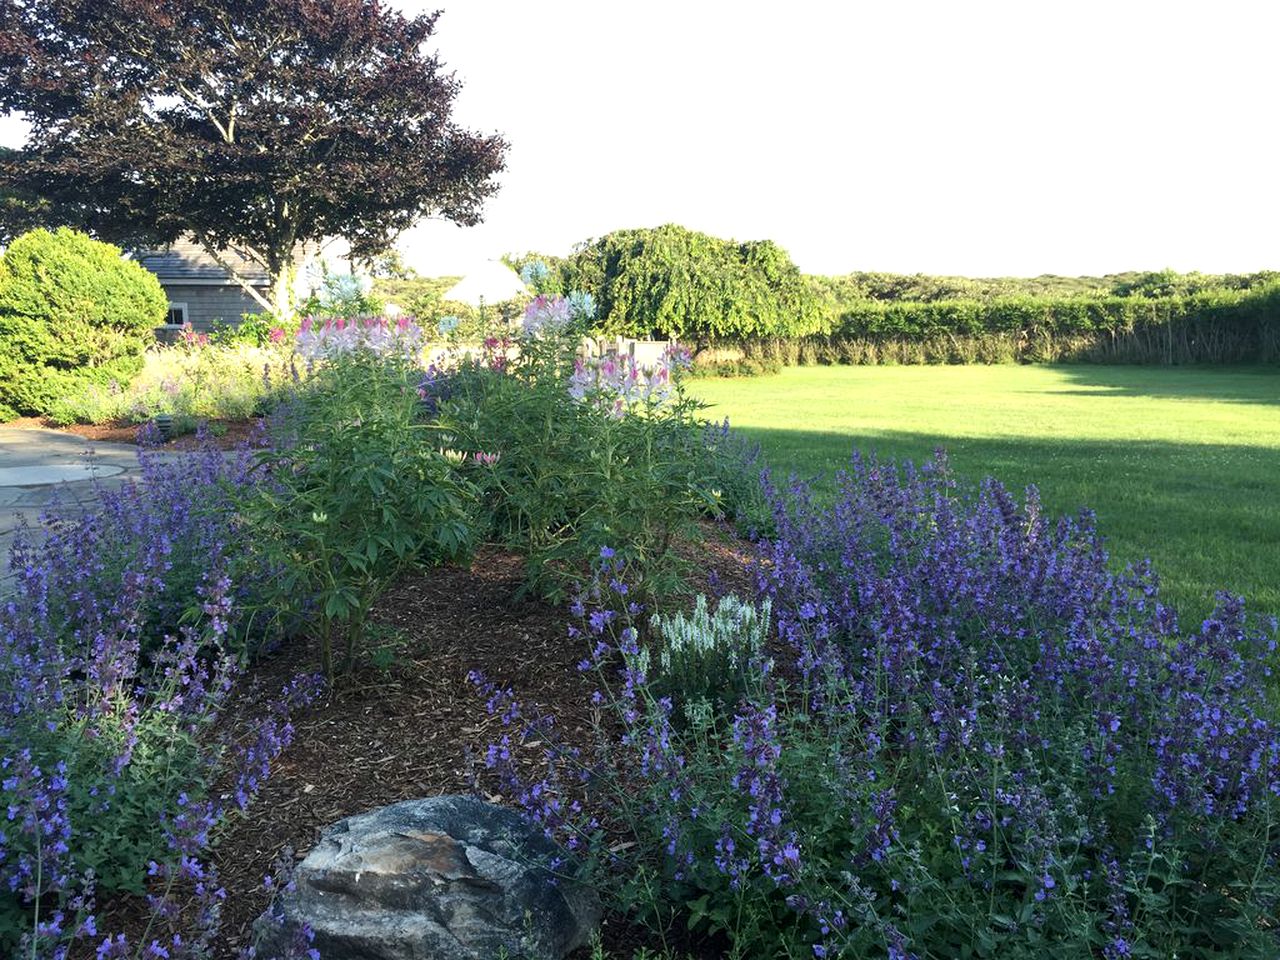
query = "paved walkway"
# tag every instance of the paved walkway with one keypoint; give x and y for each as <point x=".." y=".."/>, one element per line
<point x="36" y="463"/>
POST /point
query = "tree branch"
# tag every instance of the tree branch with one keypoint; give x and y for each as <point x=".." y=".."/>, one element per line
<point x="217" y="257"/>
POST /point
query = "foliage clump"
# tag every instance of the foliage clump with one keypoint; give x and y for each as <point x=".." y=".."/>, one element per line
<point x="586" y="451"/>
<point x="359" y="491"/>
<point x="72" y="311"/>
<point x="670" y="282"/>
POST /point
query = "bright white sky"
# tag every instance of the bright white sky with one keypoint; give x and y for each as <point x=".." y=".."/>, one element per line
<point x="973" y="138"/>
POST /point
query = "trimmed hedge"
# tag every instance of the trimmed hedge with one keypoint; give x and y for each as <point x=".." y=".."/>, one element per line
<point x="72" y="310"/>
<point x="1219" y="326"/>
<point x="838" y="291"/>
<point x="754" y="311"/>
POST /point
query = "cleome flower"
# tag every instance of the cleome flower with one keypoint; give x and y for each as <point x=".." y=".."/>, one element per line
<point x="318" y="340"/>
<point x="617" y="384"/>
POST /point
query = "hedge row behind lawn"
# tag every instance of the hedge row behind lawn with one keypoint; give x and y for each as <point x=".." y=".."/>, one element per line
<point x="1222" y="326"/>
<point x="671" y="282"/>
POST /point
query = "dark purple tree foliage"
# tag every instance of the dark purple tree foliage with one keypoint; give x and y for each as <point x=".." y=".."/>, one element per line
<point x="253" y="125"/>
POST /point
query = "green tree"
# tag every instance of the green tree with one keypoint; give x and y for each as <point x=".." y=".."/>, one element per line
<point x="670" y="281"/>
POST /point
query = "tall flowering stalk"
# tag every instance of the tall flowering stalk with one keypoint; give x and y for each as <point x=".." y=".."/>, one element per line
<point x="546" y="316"/>
<point x="618" y="385"/>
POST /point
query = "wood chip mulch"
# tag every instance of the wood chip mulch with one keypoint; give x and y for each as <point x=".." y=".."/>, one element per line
<point x="415" y="727"/>
<point x="224" y="434"/>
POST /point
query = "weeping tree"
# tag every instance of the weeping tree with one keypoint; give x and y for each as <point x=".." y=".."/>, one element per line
<point x="258" y="126"/>
<point x="670" y="281"/>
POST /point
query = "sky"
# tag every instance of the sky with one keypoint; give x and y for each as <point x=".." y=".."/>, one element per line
<point x="970" y="138"/>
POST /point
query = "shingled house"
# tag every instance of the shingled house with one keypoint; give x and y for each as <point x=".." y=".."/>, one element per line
<point x="202" y="293"/>
<point x="200" y="290"/>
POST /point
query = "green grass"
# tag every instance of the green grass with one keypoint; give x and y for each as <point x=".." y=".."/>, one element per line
<point x="1181" y="464"/>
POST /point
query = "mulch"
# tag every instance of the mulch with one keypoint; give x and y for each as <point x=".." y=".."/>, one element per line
<point x="224" y="434"/>
<point x="418" y="727"/>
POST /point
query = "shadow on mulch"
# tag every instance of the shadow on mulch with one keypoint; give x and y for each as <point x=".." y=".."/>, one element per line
<point x="413" y="729"/>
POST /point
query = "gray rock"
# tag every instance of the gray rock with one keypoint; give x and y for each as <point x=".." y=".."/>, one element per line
<point x="448" y="877"/>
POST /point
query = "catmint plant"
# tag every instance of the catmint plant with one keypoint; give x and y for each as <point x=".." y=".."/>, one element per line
<point x="121" y="643"/>
<point x="984" y="740"/>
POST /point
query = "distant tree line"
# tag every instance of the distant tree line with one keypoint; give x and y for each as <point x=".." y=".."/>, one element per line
<point x="922" y="288"/>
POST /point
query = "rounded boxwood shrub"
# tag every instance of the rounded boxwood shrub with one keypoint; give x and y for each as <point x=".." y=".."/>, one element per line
<point x="72" y="310"/>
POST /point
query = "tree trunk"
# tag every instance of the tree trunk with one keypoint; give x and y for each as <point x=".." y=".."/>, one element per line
<point x="282" y="298"/>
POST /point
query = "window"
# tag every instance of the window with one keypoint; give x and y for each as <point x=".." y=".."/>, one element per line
<point x="177" y="315"/>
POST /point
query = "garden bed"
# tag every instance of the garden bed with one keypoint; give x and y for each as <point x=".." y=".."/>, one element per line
<point x="940" y="723"/>
<point x="411" y="726"/>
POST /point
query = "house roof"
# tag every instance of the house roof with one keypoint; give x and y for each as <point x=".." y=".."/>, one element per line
<point x="186" y="262"/>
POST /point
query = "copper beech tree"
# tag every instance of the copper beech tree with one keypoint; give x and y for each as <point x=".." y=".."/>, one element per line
<point x="258" y="126"/>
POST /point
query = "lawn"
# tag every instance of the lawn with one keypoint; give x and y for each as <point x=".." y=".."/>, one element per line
<point x="1182" y="465"/>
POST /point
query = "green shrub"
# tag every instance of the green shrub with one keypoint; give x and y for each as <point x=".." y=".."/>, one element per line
<point x="360" y="491"/>
<point x="671" y="282"/>
<point x="72" y="311"/>
<point x="254" y="330"/>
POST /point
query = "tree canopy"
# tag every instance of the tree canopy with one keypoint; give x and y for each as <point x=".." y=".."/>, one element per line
<point x="254" y="125"/>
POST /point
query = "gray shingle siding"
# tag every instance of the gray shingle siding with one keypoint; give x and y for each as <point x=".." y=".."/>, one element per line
<point x="207" y="303"/>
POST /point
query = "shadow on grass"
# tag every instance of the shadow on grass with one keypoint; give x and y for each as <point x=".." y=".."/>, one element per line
<point x="1228" y="384"/>
<point x="1208" y="515"/>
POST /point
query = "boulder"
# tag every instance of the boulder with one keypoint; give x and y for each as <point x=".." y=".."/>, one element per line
<point x="451" y="877"/>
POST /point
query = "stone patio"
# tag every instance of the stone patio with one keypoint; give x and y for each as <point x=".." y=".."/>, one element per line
<point x="36" y="464"/>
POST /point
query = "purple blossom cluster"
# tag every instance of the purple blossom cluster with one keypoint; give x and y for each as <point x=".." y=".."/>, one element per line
<point x="1063" y="719"/>
<point x="640" y="805"/>
<point x="435" y="387"/>
<point x="121" y="644"/>
<point x="546" y="315"/>
<point x="986" y="740"/>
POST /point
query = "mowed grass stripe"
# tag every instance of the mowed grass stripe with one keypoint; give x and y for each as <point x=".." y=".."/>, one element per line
<point x="1181" y="464"/>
